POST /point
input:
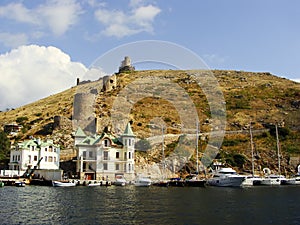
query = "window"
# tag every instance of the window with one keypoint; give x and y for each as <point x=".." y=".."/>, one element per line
<point x="117" y="155"/>
<point x="129" y="167"/>
<point x="129" y="142"/>
<point x="84" y="154"/>
<point x="90" y="154"/>
<point x="105" y="156"/>
<point x="125" y="156"/>
<point x="54" y="149"/>
<point x="129" y="155"/>
<point x="104" y="166"/>
<point x="125" y="167"/>
<point x="54" y="159"/>
<point x="125" y="142"/>
<point x="50" y="149"/>
<point x="19" y="157"/>
<point x="106" y="143"/>
<point x="46" y="159"/>
<point x="46" y="149"/>
<point x="35" y="158"/>
<point x="32" y="148"/>
<point x="50" y="159"/>
<point x="29" y="158"/>
<point x="117" y="166"/>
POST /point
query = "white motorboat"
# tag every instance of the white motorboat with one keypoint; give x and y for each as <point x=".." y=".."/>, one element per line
<point x="142" y="181"/>
<point x="63" y="184"/>
<point x="94" y="184"/>
<point x="273" y="179"/>
<point x="293" y="180"/>
<point x="120" y="180"/>
<point x="226" y="177"/>
<point x="252" y="180"/>
<point x="20" y="183"/>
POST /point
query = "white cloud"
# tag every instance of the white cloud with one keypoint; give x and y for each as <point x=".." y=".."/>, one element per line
<point x="125" y="23"/>
<point x="57" y="15"/>
<point x="60" y="15"/>
<point x="19" y="13"/>
<point x="32" y="72"/>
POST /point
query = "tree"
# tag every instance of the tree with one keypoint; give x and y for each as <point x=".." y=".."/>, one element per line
<point x="4" y="150"/>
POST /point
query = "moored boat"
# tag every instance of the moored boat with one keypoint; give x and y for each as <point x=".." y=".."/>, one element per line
<point x="194" y="181"/>
<point x="120" y="180"/>
<point x="292" y="181"/>
<point x="1" y="184"/>
<point x="273" y="179"/>
<point x="63" y="184"/>
<point x="142" y="181"/>
<point x="20" y="183"/>
<point x="252" y="180"/>
<point x="226" y="177"/>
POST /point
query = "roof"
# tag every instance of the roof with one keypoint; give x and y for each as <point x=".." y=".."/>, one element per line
<point x="80" y="133"/>
<point x="96" y="139"/>
<point x="128" y="131"/>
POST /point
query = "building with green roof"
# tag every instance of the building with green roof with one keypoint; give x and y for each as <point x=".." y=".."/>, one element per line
<point x="105" y="156"/>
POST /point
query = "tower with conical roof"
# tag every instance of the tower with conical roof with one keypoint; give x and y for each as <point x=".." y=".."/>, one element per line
<point x="128" y="140"/>
<point x="79" y="136"/>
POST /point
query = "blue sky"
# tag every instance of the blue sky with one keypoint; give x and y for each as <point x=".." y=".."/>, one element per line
<point x="257" y="35"/>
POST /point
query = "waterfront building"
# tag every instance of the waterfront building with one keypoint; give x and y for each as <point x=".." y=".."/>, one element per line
<point x="35" y="152"/>
<point x="105" y="156"/>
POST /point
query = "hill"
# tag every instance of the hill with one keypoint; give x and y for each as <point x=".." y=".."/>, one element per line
<point x="260" y="98"/>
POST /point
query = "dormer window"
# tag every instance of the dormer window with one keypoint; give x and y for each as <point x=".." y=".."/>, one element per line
<point x="106" y="143"/>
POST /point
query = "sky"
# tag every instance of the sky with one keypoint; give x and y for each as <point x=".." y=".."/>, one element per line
<point x="46" y="44"/>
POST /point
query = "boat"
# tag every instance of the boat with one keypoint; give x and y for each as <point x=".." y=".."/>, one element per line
<point x="142" y="181"/>
<point x="1" y="184"/>
<point x="20" y="183"/>
<point x="63" y="184"/>
<point x="252" y="180"/>
<point x="292" y="181"/>
<point x="120" y="180"/>
<point x="176" y="182"/>
<point x="94" y="184"/>
<point x="226" y="177"/>
<point x="194" y="181"/>
<point x="161" y="183"/>
<point x="273" y="179"/>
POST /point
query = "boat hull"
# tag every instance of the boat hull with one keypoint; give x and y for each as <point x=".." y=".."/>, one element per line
<point x="233" y="181"/>
<point x="63" y="184"/>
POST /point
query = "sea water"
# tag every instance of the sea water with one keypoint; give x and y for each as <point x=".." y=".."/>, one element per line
<point x="150" y="205"/>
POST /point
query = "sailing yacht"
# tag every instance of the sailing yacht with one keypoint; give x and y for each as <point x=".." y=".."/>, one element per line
<point x="162" y="182"/>
<point x="252" y="179"/>
<point x="275" y="179"/>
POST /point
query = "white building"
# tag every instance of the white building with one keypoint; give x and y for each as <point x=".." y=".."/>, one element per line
<point x="28" y="153"/>
<point x="105" y="156"/>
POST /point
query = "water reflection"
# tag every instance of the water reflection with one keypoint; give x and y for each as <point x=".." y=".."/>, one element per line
<point x="154" y="205"/>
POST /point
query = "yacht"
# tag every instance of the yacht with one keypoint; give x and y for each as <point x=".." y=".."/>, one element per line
<point x="252" y="180"/>
<point x="226" y="177"/>
<point x="293" y="180"/>
<point x="63" y="184"/>
<point x="273" y="179"/>
<point x="142" y="181"/>
<point x="120" y="180"/>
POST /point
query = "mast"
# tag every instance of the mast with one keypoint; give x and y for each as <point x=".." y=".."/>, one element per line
<point x="163" y="152"/>
<point x="278" y="149"/>
<point x="252" y="150"/>
<point x="197" y="139"/>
